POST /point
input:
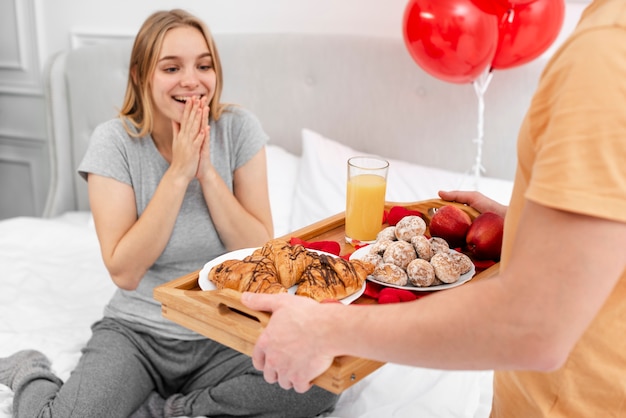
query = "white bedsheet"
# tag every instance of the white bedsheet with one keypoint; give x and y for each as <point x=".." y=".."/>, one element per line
<point x="54" y="285"/>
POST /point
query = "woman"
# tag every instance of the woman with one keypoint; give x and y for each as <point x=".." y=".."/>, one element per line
<point x="177" y="179"/>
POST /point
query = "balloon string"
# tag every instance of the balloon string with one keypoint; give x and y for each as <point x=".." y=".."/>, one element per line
<point x="480" y="87"/>
<point x="510" y="15"/>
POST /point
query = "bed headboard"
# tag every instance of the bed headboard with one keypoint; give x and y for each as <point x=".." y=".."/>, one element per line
<point x="365" y="92"/>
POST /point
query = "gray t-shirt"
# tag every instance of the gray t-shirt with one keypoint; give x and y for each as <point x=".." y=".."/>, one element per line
<point x="235" y="138"/>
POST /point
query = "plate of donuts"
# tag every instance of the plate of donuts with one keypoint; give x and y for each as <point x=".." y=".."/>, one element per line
<point x="444" y="271"/>
<point x="206" y="284"/>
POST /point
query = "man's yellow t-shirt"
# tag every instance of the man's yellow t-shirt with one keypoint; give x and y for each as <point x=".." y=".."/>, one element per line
<point x="572" y="156"/>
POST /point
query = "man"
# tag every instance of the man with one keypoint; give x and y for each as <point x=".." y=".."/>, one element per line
<point x="552" y="323"/>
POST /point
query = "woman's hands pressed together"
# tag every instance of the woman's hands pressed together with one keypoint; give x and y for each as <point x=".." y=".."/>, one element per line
<point x="131" y="245"/>
<point x="191" y="139"/>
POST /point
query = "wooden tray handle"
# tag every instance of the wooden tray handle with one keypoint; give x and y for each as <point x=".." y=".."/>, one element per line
<point x="230" y="309"/>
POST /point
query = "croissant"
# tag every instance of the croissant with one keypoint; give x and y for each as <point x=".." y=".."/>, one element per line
<point x="290" y="261"/>
<point x="252" y="274"/>
<point x="333" y="277"/>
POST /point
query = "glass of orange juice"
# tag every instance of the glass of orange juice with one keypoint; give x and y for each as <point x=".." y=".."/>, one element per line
<point x="365" y="198"/>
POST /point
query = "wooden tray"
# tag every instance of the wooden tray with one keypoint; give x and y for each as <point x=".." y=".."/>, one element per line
<point x="219" y="314"/>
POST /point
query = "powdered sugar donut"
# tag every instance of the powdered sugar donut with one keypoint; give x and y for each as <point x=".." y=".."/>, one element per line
<point x="463" y="262"/>
<point x="380" y="246"/>
<point x="400" y="253"/>
<point x="421" y="244"/>
<point x="373" y="258"/>
<point x="446" y="269"/>
<point x="439" y="245"/>
<point x="390" y="273"/>
<point x="387" y="233"/>
<point x="410" y="226"/>
<point x="420" y="273"/>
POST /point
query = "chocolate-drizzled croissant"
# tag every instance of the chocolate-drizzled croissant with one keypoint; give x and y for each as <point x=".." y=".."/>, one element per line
<point x="254" y="273"/>
<point x="278" y="265"/>
<point x="290" y="260"/>
<point x="333" y="277"/>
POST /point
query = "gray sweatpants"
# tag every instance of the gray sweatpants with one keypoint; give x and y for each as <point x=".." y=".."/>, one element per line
<point x="121" y="366"/>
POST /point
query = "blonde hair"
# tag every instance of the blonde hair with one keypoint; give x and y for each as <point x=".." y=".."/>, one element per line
<point x="137" y="108"/>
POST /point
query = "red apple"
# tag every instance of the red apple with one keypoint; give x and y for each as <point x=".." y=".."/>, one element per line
<point x="484" y="237"/>
<point x="450" y="223"/>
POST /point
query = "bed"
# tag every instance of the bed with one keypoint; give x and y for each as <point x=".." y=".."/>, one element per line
<point x="321" y="99"/>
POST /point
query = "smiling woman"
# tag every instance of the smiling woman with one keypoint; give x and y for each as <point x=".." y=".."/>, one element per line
<point x="184" y="63"/>
<point x="184" y="74"/>
<point x="166" y="179"/>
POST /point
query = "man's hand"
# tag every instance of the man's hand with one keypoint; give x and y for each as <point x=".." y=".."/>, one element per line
<point x="290" y="350"/>
<point x="476" y="200"/>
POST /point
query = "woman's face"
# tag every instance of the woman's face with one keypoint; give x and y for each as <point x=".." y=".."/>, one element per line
<point x="184" y="69"/>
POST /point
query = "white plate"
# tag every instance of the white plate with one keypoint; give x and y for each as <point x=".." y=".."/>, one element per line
<point x="360" y="253"/>
<point x="206" y="284"/>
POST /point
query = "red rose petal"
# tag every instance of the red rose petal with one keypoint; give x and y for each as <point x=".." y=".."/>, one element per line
<point x="396" y="213"/>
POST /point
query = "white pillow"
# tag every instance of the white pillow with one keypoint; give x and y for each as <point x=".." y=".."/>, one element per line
<point x="321" y="187"/>
<point x="282" y="174"/>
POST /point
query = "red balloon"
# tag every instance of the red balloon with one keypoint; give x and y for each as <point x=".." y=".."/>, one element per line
<point x="498" y="7"/>
<point x="527" y="31"/>
<point x="494" y="7"/>
<point x="452" y="40"/>
<point x="509" y="3"/>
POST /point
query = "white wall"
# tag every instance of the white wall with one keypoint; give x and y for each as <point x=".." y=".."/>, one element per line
<point x="58" y="19"/>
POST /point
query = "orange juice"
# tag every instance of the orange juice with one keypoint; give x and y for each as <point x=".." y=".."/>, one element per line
<point x="365" y="204"/>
